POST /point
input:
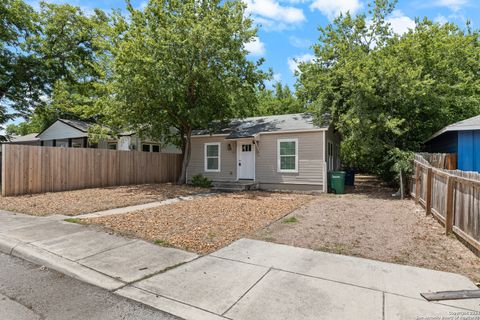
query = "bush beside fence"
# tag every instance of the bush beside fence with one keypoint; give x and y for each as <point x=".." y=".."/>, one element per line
<point x="32" y="169"/>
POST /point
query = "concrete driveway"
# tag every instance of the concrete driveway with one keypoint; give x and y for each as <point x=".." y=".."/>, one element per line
<point x="249" y="279"/>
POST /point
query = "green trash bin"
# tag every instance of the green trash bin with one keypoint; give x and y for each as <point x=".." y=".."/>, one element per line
<point x="336" y="181"/>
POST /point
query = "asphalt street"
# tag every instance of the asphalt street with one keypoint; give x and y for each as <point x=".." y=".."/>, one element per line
<point x="31" y="292"/>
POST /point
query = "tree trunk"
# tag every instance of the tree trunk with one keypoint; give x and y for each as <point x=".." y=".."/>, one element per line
<point x="186" y="156"/>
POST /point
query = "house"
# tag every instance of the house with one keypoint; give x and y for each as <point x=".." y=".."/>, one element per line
<point x="461" y="138"/>
<point x="74" y="134"/>
<point x="284" y="152"/>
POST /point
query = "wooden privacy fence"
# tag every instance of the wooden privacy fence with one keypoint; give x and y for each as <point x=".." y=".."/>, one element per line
<point x="452" y="196"/>
<point x="32" y="169"/>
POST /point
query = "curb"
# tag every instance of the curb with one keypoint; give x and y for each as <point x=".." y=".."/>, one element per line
<point x="44" y="258"/>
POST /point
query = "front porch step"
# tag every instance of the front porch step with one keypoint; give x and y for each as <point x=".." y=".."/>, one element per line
<point x="236" y="186"/>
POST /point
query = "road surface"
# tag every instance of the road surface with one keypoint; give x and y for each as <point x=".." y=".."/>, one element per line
<point x="30" y="292"/>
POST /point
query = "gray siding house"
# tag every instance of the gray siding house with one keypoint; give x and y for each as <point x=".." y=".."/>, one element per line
<point x="285" y="152"/>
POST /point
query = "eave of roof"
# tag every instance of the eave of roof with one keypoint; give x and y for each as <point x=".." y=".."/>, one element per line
<point x="464" y="125"/>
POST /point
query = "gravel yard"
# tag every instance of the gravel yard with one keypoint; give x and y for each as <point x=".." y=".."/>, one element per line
<point x="91" y="200"/>
<point x="373" y="225"/>
<point x="205" y="224"/>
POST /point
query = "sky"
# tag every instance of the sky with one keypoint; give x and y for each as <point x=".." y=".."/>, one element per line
<point x="288" y="28"/>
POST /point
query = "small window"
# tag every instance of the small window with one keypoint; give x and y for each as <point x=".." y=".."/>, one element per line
<point x="112" y="146"/>
<point x="155" y="148"/>
<point x="246" y="148"/>
<point x="145" y="147"/>
<point x="288" y="155"/>
<point x="212" y="157"/>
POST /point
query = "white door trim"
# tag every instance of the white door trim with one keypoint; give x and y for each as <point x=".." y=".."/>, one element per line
<point x="239" y="151"/>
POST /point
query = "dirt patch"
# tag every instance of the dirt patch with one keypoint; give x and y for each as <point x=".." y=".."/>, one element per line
<point x="206" y="224"/>
<point x="91" y="200"/>
<point x="371" y="224"/>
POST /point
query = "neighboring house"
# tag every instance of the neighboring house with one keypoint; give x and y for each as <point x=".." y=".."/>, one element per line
<point x="275" y="152"/>
<point x="461" y="138"/>
<point x="74" y="134"/>
<point x="29" y="139"/>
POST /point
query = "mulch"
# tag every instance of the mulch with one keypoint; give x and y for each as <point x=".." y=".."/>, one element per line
<point x="77" y="202"/>
<point x="205" y="224"/>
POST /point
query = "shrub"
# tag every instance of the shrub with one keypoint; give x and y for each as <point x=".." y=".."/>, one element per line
<point x="201" y="181"/>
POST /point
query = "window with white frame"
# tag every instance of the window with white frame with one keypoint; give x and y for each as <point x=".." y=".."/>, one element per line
<point x="212" y="157"/>
<point x="287" y="155"/>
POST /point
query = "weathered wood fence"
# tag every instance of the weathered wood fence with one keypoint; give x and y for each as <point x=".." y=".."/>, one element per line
<point x="32" y="169"/>
<point x="452" y="197"/>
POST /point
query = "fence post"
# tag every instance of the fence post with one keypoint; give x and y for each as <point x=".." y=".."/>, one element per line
<point x="428" y="200"/>
<point x="449" y="206"/>
<point x="417" y="183"/>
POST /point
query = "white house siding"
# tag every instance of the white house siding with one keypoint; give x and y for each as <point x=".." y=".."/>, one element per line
<point x="228" y="159"/>
<point x="60" y="130"/>
<point x="310" y="160"/>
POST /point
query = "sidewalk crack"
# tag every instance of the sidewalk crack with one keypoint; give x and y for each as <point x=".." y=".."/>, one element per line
<point x="245" y="293"/>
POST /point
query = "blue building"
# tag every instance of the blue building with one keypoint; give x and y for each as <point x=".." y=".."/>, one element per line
<point x="462" y="138"/>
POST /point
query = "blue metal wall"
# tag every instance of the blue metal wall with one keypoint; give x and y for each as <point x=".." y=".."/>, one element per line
<point x="469" y="150"/>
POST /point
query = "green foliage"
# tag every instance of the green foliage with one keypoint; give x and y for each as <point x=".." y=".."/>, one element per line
<point x="51" y="62"/>
<point x="180" y="64"/>
<point x="388" y="93"/>
<point x="290" y="220"/>
<point x="278" y="101"/>
<point x="201" y="181"/>
<point x="75" y="220"/>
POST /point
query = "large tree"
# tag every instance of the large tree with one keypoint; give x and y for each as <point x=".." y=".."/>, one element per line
<point x="51" y="62"/>
<point x="387" y="93"/>
<point x="279" y="100"/>
<point x="180" y="65"/>
<point x="18" y="65"/>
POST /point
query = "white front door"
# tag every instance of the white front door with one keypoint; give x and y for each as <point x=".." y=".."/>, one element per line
<point x="246" y="160"/>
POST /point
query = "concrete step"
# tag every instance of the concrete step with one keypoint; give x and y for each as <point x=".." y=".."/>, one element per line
<point x="235" y="186"/>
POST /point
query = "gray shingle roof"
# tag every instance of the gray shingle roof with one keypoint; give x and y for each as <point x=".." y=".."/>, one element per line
<point x="249" y="127"/>
<point x="25" y="138"/>
<point x="467" y="124"/>
<point x="77" y="124"/>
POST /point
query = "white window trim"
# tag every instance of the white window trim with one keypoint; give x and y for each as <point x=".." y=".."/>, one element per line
<point x="296" y="155"/>
<point x="205" y="156"/>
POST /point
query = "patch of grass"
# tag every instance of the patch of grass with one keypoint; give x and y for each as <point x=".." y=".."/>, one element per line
<point x="290" y="220"/>
<point x="162" y="243"/>
<point x="75" y="220"/>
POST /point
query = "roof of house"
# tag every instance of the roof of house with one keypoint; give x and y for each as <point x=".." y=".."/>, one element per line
<point x="25" y="138"/>
<point x="467" y="124"/>
<point x="83" y="126"/>
<point x="77" y="124"/>
<point x="249" y="127"/>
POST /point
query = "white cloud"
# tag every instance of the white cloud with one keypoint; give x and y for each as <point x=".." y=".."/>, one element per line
<point x="441" y="19"/>
<point x="400" y="23"/>
<point x="299" y="42"/>
<point x="272" y="15"/>
<point x="331" y="9"/>
<point x="454" y="5"/>
<point x="256" y="47"/>
<point x="294" y="62"/>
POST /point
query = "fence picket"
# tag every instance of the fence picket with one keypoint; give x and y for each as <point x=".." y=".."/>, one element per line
<point x="32" y="169"/>
<point x="454" y="197"/>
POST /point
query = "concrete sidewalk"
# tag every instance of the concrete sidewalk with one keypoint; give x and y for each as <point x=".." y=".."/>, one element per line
<point x="84" y="253"/>
<point x="246" y="280"/>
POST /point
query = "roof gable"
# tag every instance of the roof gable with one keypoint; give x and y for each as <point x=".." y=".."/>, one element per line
<point x="61" y="130"/>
